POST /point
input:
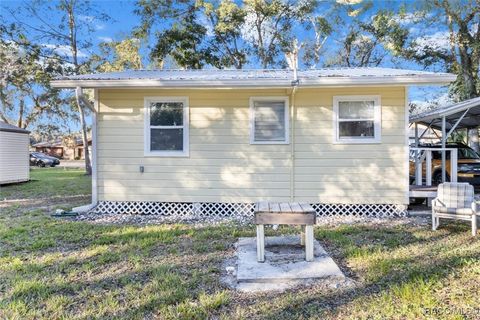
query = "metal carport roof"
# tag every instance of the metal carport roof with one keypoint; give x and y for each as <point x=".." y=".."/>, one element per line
<point x="462" y="115"/>
<point x="465" y="114"/>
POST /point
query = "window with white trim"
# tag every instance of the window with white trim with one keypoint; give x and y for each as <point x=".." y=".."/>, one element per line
<point x="357" y="119"/>
<point x="269" y="120"/>
<point x="166" y="126"/>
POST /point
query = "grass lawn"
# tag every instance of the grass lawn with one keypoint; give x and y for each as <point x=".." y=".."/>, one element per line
<point x="52" y="268"/>
<point x="48" y="182"/>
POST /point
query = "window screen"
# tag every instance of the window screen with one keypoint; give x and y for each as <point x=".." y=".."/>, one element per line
<point x="356" y="120"/>
<point x="166" y="126"/>
<point x="269" y="119"/>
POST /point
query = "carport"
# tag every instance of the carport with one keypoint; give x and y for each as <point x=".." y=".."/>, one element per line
<point x="447" y="119"/>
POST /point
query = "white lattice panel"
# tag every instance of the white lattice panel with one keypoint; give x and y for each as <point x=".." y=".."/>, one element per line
<point x="212" y="209"/>
<point x="366" y="210"/>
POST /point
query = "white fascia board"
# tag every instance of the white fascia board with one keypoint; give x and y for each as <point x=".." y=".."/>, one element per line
<point x="383" y="80"/>
<point x="260" y="83"/>
<point x="138" y="83"/>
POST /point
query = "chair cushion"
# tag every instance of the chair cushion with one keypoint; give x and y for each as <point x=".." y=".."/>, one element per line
<point x="455" y="195"/>
<point x="463" y="211"/>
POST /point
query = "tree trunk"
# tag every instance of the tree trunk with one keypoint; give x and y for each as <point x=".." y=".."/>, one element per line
<point x="86" y="153"/>
<point x="473" y="140"/>
<point x="20" y="113"/>
<point x="73" y="45"/>
<point x="470" y="90"/>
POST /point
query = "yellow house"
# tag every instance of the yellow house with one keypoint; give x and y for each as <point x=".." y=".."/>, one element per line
<point x="216" y="141"/>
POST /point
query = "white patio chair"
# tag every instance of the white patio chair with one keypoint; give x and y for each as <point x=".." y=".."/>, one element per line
<point x="455" y="201"/>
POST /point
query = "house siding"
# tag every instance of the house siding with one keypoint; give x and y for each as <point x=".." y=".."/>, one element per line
<point x="14" y="157"/>
<point x="224" y="167"/>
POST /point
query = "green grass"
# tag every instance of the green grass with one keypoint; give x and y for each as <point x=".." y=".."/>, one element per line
<point x="60" y="269"/>
<point x="49" y="182"/>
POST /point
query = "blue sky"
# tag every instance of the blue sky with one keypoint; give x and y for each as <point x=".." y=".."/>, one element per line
<point x="124" y="20"/>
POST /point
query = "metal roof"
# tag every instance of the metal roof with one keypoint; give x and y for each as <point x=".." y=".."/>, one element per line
<point x="11" y="128"/>
<point x="59" y="143"/>
<point x="47" y="144"/>
<point x="452" y="114"/>
<point x="253" y="78"/>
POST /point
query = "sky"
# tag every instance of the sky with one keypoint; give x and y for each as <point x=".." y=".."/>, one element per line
<point x="123" y="20"/>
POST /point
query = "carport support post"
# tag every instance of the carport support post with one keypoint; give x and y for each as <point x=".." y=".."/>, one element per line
<point x="418" y="169"/>
<point x="444" y="144"/>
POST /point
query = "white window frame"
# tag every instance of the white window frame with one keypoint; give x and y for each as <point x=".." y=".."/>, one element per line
<point x="377" y="120"/>
<point x="185" y="126"/>
<point x="287" y="119"/>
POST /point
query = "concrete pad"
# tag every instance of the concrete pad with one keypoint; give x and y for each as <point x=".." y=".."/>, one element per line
<point x="253" y="287"/>
<point x="284" y="262"/>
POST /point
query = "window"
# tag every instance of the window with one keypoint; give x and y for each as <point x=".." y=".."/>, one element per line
<point x="357" y="119"/>
<point x="269" y="120"/>
<point x="166" y="126"/>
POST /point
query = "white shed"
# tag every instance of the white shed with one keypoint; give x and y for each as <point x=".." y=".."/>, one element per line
<point x="14" y="154"/>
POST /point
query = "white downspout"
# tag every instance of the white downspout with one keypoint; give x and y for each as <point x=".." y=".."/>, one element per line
<point x="93" y="150"/>
<point x="294" y="65"/>
<point x="292" y="143"/>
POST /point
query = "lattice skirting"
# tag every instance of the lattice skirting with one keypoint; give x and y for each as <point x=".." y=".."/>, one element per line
<point x="211" y="209"/>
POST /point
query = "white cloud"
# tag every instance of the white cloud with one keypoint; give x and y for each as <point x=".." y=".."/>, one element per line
<point x="86" y="18"/>
<point x="92" y="19"/>
<point x="409" y="18"/>
<point x="438" y="40"/>
<point x="105" y="39"/>
<point x="99" y="26"/>
<point x="431" y="103"/>
<point x="363" y="39"/>
<point x="249" y="31"/>
<point x="349" y="2"/>
<point x="64" y="51"/>
<point x="204" y="21"/>
<point x="474" y="29"/>
<point x="413" y="30"/>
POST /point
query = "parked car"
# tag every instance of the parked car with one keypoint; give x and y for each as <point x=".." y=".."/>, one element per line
<point x="43" y="160"/>
<point x="468" y="164"/>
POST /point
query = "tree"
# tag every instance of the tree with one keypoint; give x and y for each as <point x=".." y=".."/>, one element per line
<point x="194" y="33"/>
<point x="463" y="56"/>
<point x="313" y="47"/>
<point x="227" y="47"/>
<point x="222" y="33"/>
<point x="269" y="26"/>
<point x="176" y="31"/>
<point x="25" y="92"/>
<point x="455" y="48"/>
<point x="66" y="39"/>
<point x="118" y="56"/>
<point x="460" y="53"/>
<point x="363" y="43"/>
<point x="46" y="132"/>
<point x="183" y="42"/>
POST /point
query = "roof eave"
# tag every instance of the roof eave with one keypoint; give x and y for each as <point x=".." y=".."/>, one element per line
<point x="435" y="79"/>
<point x="141" y="83"/>
<point x="15" y="130"/>
<point x="6" y="127"/>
